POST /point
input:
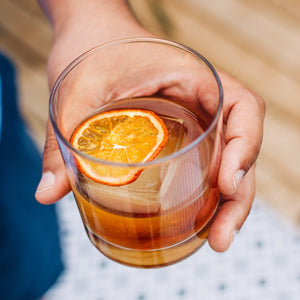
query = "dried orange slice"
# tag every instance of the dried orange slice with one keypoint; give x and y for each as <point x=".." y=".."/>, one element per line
<point x="123" y="136"/>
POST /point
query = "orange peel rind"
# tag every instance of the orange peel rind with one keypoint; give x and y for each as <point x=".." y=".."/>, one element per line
<point x="126" y="136"/>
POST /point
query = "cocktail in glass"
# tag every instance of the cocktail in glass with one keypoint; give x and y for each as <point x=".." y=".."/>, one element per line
<point x="164" y="214"/>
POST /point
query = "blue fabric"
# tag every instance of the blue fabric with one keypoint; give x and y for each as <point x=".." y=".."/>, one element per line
<point x="30" y="255"/>
<point x="0" y="107"/>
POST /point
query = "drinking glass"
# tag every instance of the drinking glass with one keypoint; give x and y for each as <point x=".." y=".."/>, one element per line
<point x="165" y="214"/>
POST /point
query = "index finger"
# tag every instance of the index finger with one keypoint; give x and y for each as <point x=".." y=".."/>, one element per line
<point x="243" y="132"/>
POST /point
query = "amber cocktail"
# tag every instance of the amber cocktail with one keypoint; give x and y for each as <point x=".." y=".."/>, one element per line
<point x="139" y="210"/>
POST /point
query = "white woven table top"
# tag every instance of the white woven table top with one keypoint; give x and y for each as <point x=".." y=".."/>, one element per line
<point x="263" y="263"/>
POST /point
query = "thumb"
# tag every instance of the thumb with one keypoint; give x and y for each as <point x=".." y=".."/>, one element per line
<point x="54" y="183"/>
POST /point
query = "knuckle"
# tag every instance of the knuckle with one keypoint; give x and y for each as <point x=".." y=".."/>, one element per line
<point x="259" y="101"/>
<point x="50" y="145"/>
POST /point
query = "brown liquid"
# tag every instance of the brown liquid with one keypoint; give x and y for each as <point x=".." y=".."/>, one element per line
<point x="143" y="240"/>
<point x="165" y="215"/>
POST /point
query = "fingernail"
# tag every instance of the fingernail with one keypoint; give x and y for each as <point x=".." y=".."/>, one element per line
<point x="237" y="178"/>
<point x="233" y="235"/>
<point x="46" y="183"/>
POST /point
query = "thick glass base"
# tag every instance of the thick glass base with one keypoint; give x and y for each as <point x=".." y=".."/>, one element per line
<point x="151" y="258"/>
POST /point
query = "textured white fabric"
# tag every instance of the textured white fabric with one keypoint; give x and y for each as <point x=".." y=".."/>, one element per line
<point x="263" y="263"/>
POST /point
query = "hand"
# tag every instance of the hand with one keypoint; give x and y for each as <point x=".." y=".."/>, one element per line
<point x="243" y="126"/>
<point x="244" y="113"/>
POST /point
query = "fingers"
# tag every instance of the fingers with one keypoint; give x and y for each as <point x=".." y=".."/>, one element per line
<point x="54" y="183"/>
<point x="243" y="129"/>
<point x="243" y="116"/>
<point x="232" y="214"/>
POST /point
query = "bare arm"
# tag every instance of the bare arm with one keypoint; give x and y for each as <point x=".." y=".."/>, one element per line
<point x="79" y="25"/>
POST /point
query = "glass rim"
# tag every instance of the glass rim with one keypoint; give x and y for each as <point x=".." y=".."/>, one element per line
<point x="159" y="161"/>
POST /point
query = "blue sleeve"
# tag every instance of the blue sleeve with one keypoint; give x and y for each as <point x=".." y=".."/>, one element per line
<point x="0" y="107"/>
<point x="30" y="254"/>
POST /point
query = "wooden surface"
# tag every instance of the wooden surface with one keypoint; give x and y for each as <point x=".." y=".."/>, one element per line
<point x="256" y="41"/>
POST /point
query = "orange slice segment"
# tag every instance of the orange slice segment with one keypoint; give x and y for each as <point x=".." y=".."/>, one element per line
<point x="123" y="136"/>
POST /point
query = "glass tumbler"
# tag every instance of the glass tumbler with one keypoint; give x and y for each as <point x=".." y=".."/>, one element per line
<point x="164" y="215"/>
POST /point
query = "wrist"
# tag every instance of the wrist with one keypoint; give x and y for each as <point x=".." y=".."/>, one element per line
<point x="110" y="19"/>
<point x="80" y="25"/>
